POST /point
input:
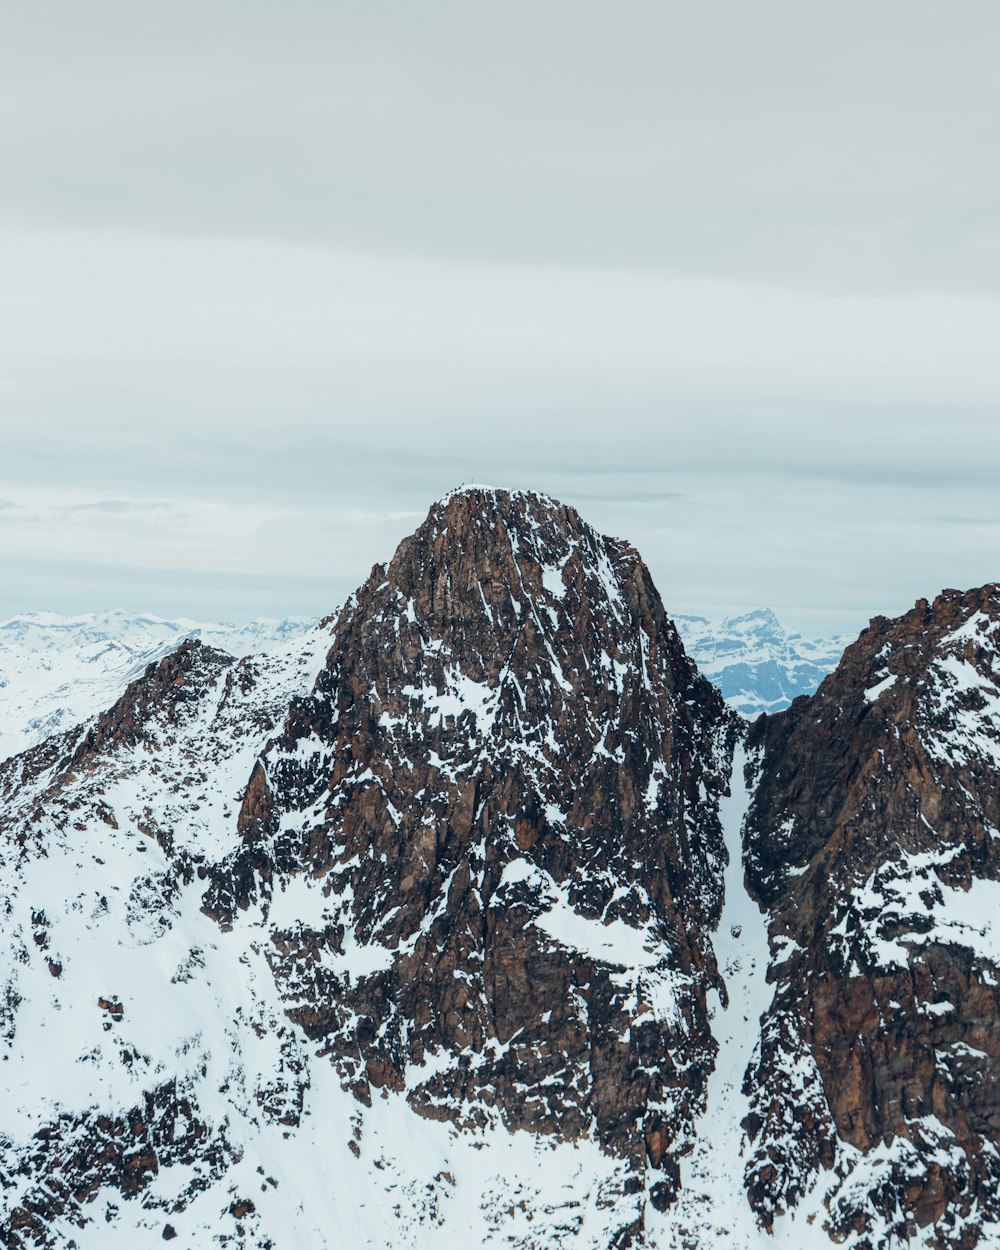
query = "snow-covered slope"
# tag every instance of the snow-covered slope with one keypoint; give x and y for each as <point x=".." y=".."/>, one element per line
<point x="154" y="1085"/>
<point x="458" y="920"/>
<point x="56" y="671"/>
<point x="758" y="664"/>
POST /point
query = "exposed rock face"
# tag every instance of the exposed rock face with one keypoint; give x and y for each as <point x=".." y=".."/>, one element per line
<point x="158" y="698"/>
<point x="470" y="884"/>
<point x="406" y="933"/>
<point x="874" y="840"/>
<point x="499" y="808"/>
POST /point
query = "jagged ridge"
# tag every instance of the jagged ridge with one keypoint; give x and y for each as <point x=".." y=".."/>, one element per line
<point x="874" y="839"/>
<point x="508" y="723"/>
<point x="299" y="942"/>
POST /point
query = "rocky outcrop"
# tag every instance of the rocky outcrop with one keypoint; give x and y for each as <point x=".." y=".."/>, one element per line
<point x="57" y="672"/>
<point x="874" y="840"/>
<point x="73" y="1160"/>
<point x="155" y="704"/>
<point x="502" y="796"/>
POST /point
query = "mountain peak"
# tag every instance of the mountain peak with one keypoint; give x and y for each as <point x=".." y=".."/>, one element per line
<point x="758" y="664"/>
<point x="493" y="559"/>
<point x="871" y="838"/>
<point x="517" y="509"/>
<point x="468" y="488"/>
<point x="761" y="621"/>
<point x="518" y="831"/>
<point x="484" y="489"/>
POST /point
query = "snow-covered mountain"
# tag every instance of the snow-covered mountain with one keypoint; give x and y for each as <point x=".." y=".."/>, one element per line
<point x="758" y="664"/>
<point x="474" y="916"/>
<point x="399" y="935"/>
<point x="873" y="841"/>
<point x="56" y="671"/>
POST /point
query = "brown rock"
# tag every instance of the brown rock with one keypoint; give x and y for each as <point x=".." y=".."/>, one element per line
<point x="874" y="798"/>
<point x="506" y="724"/>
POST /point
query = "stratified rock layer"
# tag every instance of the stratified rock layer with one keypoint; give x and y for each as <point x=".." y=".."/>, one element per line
<point x="874" y="840"/>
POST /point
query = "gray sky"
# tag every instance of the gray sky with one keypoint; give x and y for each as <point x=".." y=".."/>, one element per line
<point x="274" y="276"/>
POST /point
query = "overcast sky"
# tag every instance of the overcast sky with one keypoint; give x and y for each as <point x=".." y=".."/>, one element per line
<point x="274" y="276"/>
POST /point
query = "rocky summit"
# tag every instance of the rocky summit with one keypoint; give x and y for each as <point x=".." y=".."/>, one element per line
<point x="873" y="840"/>
<point x="474" y="916"/>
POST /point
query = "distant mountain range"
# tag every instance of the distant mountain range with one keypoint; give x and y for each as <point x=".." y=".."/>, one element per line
<point x="758" y="664"/>
<point x="56" y="671"/>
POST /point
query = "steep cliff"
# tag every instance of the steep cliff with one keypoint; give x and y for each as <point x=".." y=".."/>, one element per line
<point x="491" y="836"/>
<point x="874" y="841"/>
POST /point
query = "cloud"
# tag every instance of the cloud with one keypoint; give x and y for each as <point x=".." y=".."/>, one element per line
<point x="276" y="277"/>
<point x="973" y="522"/>
<point x="846" y="148"/>
<point x="628" y="496"/>
<point x="117" y="507"/>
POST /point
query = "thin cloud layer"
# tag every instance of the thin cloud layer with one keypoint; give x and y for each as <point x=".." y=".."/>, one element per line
<point x="847" y="147"/>
<point x="725" y="276"/>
